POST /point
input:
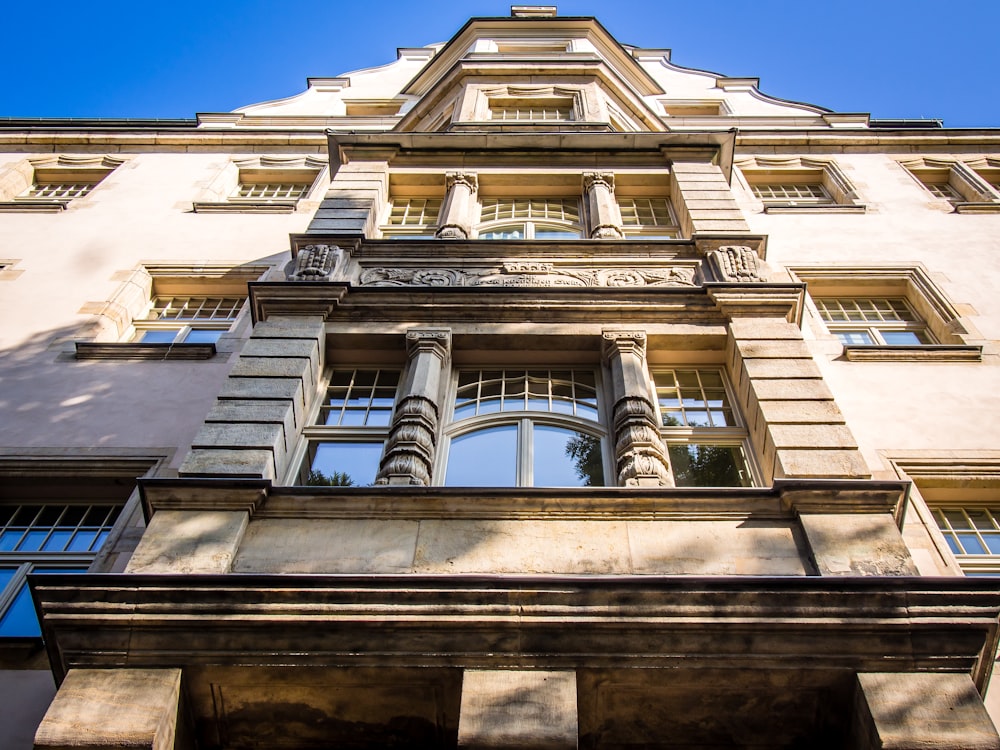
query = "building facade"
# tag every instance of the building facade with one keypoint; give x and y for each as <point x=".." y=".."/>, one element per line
<point x="529" y="391"/>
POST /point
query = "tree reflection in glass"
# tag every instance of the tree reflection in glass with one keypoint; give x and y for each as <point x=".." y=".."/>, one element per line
<point x="704" y="465"/>
<point x="484" y="458"/>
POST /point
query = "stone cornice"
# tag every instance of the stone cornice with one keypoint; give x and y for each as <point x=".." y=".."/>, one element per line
<point x="850" y="624"/>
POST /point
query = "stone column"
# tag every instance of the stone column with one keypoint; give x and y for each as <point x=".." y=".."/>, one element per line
<point x="522" y="709"/>
<point x="920" y="710"/>
<point x="115" y="708"/>
<point x="602" y="208"/>
<point x="455" y="221"/>
<point x="412" y="443"/>
<point x="640" y="456"/>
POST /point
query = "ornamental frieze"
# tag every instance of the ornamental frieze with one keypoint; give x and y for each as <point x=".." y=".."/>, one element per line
<point x="530" y="274"/>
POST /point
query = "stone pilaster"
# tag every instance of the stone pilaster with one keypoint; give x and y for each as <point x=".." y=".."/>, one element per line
<point x="358" y="192"/>
<point x="261" y="408"/>
<point x="115" y="708"/>
<point x="516" y="708"/>
<point x="703" y="199"/>
<point x="412" y="444"/>
<point x="640" y="456"/>
<point x="921" y="710"/>
<point x="455" y="221"/>
<point x="602" y="208"/>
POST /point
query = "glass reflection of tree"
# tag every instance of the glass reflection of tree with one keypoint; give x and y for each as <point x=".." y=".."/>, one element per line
<point x="705" y="466"/>
<point x="585" y="451"/>
<point x="317" y="478"/>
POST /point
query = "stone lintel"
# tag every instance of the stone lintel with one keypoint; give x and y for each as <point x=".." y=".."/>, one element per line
<point x="102" y="709"/>
<point x="518" y="709"/>
<point x="918" y="711"/>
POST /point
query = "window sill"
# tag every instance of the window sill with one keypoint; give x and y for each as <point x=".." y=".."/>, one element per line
<point x="925" y="353"/>
<point x="157" y="352"/>
<point x="833" y="208"/>
<point x="33" y="206"/>
<point x="246" y="207"/>
<point x="988" y="207"/>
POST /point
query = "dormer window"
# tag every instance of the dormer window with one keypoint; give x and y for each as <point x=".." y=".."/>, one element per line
<point x="540" y="109"/>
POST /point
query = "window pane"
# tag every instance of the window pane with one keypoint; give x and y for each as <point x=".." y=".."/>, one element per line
<point x="19" y="620"/>
<point x="901" y="338"/>
<point x="203" y="336"/>
<point x="566" y="458"/>
<point x="485" y="458"/>
<point x="708" y="466"/>
<point x="344" y="464"/>
<point x="158" y="337"/>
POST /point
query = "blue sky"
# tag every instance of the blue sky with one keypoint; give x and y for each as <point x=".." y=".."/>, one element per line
<point x="892" y="58"/>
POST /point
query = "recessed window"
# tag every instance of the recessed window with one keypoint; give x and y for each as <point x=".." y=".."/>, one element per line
<point x="344" y="446"/>
<point x="648" y="218"/>
<point x="791" y="194"/>
<point x="540" y="109"/>
<point x="973" y="534"/>
<point x="514" y="427"/>
<point x="40" y="539"/>
<point x="190" y="320"/>
<point x="412" y="217"/>
<point x="873" y="321"/>
<point x="529" y="219"/>
<point x="58" y="190"/>
<point x="704" y="438"/>
<point x="265" y="191"/>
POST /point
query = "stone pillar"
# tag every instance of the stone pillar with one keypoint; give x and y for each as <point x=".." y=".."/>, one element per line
<point x="518" y="709"/>
<point x="640" y="456"/>
<point x="358" y="193"/>
<point x="262" y="407"/>
<point x="190" y="541"/>
<point x="919" y="711"/>
<point x="602" y="209"/>
<point x="455" y="221"/>
<point x="103" y="709"/>
<point x="412" y="444"/>
<point x="703" y="199"/>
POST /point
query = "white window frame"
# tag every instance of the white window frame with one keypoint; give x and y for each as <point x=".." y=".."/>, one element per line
<point x="886" y="315"/>
<point x="318" y="433"/>
<point x="654" y="217"/>
<point x="524" y="420"/>
<point x="529" y="215"/>
<point x="414" y="217"/>
<point x="798" y="185"/>
<point x="729" y="436"/>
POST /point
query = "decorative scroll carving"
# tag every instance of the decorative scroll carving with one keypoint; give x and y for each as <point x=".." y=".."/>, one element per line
<point x="640" y="456"/>
<point x="412" y="443"/>
<point x="517" y="274"/>
<point x="315" y="263"/>
<point x="737" y="263"/>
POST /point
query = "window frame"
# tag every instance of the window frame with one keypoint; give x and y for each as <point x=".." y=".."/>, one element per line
<point x="525" y="420"/>
<point x="530" y="223"/>
<point x="874" y="329"/>
<point x="423" y="229"/>
<point x="315" y="434"/>
<point x="22" y="181"/>
<point x="967" y="185"/>
<point x="641" y="230"/>
<point x="185" y="327"/>
<point x="730" y="436"/>
<point x="839" y="193"/>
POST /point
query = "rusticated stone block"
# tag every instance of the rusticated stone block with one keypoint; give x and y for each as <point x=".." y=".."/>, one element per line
<point x="799" y="412"/>
<point x="101" y="709"/>
<point x="189" y="541"/>
<point x="823" y="463"/>
<point x="518" y="709"/>
<point x="275" y="328"/>
<point x="276" y="367"/>
<point x="222" y="462"/>
<point x="858" y="544"/>
<point x="255" y="410"/>
<point x="749" y="329"/>
<point x="243" y="435"/>
<point x="781" y="368"/>
<point x="812" y="389"/>
<point x="811" y="436"/>
<point x="916" y="711"/>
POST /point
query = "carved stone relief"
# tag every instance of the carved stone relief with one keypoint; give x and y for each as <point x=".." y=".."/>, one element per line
<point x="315" y="263"/>
<point x="737" y="263"/>
<point x="516" y="274"/>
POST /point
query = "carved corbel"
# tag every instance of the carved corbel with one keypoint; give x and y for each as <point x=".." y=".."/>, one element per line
<point x="315" y="263"/>
<point x="736" y="263"/>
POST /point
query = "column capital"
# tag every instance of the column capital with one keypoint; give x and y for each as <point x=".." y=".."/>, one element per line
<point x="468" y="179"/>
<point x="592" y="180"/>
<point x="432" y="340"/>
<point x="623" y="342"/>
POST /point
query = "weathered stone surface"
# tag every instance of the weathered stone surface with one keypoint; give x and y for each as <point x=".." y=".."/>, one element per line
<point x="800" y="412"/>
<point x="812" y="389"/>
<point x="243" y="435"/>
<point x="276" y="367"/>
<point x="749" y="329"/>
<point x="829" y="463"/>
<point x="254" y="410"/>
<point x="103" y="709"/>
<point x="203" y="462"/>
<point x="787" y="349"/>
<point x="865" y="544"/>
<point x="323" y="546"/>
<point x="916" y="711"/>
<point x="811" y="436"/>
<point x="518" y="709"/>
<point x="715" y="548"/>
<point x="299" y="328"/>
<point x="196" y="541"/>
<point x="261" y="347"/>
<point x="781" y="368"/>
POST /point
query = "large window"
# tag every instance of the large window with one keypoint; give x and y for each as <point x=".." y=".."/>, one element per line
<point x="704" y="437"/>
<point x="873" y="321"/>
<point x="412" y="217"/>
<point x="345" y="444"/>
<point x="530" y="219"/>
<point x="525" y="427"/>
<point x="191" y="320"/>
<point x="973" y="534"/>
<point x="648" y="218"/>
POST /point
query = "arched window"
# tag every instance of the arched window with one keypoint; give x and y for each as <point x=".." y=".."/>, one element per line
<point x="530" y="219"/>
<point x="525" y="428"/>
